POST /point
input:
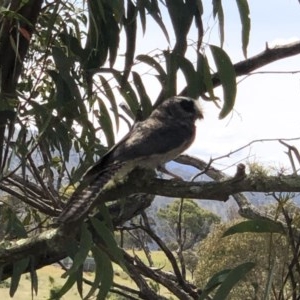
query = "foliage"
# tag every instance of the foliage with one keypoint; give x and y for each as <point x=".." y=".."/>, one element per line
<point x="194" y="221"/>
<point x="191" y="260"/>
<point x="272" y="254"/>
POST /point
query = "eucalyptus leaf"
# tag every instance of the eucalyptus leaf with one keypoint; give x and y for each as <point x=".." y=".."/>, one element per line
<point x="19" y="268"/>
<point x="246" y="23"/>
<point x="232" y="278"/>
<point x="259" y="226"/>
<point x="106" y="123"/>
<point x="85" y="244"/>
<point x="227" y="76"/>
<point x="218" y="11"/>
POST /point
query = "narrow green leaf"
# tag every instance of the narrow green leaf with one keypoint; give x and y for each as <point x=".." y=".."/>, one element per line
<point x="153" y="9"/>
<point x="113" y="37"/>
<point x="246" y="23"/>
<point x="79" y="281"/>
<point x="74" y="45"/>
<point x="106" y="123"/>
<point x="98" y="272"/>
<point x="127" y="92"/>
<point x="144" y="98"/>
<point x="67" y="286"/>
<point x="103" y="262"/>
<point x="107" y="90"/>
<point x="84" y="248"/>
<point x="218" y="11"/>
<point x="33" y="277"/>
<point x="62" y="62"/>
<point x="105" y="216"/>
<point x="130" y="27"/>
<point x="15" y="226"/>
<point x="154" y="64"/>
<point x="141" y="10"/>
<point x="63" y="139"/>
<point x="65" y="96"/>
<point x="19" y="268"/>
<point x="203" y="74"/>
<point x="96" y="47"/>
<point x="108" y="238"/>
<point x="227" y="77"/>
<point x="233" y="277"/>
<point x="214" y="282"/>
<point x="193" y="88"/>
<point x="262" y="226"/>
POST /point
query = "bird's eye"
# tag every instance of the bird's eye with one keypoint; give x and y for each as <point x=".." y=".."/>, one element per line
<point x="188" y="105"/>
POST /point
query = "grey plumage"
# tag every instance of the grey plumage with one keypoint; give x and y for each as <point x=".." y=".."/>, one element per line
<point x="168" y="131"/>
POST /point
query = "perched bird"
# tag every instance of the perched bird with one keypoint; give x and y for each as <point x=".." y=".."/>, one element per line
<point x="167" y="132"/>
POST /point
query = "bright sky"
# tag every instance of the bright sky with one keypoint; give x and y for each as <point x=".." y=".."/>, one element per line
<point x="267" y="106"/>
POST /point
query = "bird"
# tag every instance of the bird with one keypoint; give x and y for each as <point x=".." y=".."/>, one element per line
<point x="165" y="134"/>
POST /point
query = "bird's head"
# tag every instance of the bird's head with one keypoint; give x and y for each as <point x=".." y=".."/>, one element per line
<point x="181" y="107"/>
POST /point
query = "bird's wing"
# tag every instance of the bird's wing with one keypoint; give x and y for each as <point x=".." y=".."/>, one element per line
<point x="145" y="140"/>
<point x="153" y="139"/>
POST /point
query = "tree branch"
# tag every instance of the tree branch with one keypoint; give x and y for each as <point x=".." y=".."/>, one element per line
<point x="50" y="245"/>
<point x="220" y="191"/>
<point x="267" y="56"/>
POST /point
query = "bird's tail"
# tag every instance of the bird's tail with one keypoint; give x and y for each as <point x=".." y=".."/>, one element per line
<point x="85" y="196"/>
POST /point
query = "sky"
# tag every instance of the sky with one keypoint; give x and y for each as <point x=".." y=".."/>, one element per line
<point x="267" y="105"/>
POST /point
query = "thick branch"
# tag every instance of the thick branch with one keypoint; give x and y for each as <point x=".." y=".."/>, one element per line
<point x="203" y="190"/>
<point x="268" y="56"/>
<point x="52" y="244"/>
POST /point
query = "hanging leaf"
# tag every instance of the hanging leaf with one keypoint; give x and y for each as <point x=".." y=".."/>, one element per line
<point x="33" y="277"/>
<point x="112" y="35"/>
<point x="127" y="92"/>
<point x="62" y="135"/>
<point x="19" y="268"/>
<point x="106" y="123"/>
<point x="14" y="226"/>
<point x="260" y="226"/>
<point x="246" y="23"/>
<point x="204" y="76"/>
<point x="213" y="283"/>
<point x="193" y="86"/>
<point x="107" y="90"/>
<point x="142" y="14"/>
<point x="227" y="76"/>
<point x="79" y="280"/>
<point x="106" y="274"/>
<point x="218" y="11"/>
<point x="96" y="48"/>
<point x="74" y="45"/>
<point x="130" y="31"/>
<point x="153" y="10"/>
<point x="85" y="244"/>
<point x="154" y="64"/>
<point x="232" y="278"/>
<point x="67" y="286"/>
<point x="109" y="240"/>
<point x="144" y="98"/>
